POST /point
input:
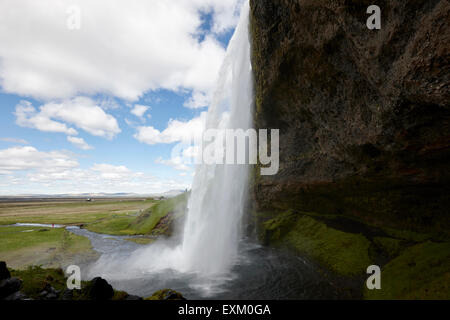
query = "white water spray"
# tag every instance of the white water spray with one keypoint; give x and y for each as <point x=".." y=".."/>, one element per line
<point x="215" y="208"/>
<point x="219" y="192"/>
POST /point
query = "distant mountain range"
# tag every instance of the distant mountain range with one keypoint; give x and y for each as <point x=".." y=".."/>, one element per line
<point x="167" y="194"/>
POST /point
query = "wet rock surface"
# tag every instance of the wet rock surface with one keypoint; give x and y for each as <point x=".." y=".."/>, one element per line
<point x="363" y="114"/>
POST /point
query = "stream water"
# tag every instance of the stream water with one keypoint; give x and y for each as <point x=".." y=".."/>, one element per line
<point x="258" y="273"/>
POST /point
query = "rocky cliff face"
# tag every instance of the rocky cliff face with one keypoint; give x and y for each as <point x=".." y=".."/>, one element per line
<point x="363" y="114"/>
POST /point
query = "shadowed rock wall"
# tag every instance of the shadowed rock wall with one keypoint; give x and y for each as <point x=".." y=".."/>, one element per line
<point x="364" y="114"/>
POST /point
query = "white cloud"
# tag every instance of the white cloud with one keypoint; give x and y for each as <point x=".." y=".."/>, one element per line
<point x="27" y="116"/>
<point x="29" y="158"/>
<point x="139" y="110"/>
<point x="81" y="112"/>
<point x="177" y="163"/>
<point x="110" y="172"/>
<point x="123" y="48"/>
<point x="198" y="100"/>
<point x="79" y="143"/>
<point x="97" y="179"/>
<point x="28" y="170"/>
<point x="14" y="140"/>
<point x="176" y="131"/>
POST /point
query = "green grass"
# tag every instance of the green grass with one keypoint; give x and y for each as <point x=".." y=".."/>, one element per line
<point x="419" y="272"/>
<point x="79" y="218"/>
<point x="67" y="213"/>
<point x="141" y="240"/>
<point x="389" y="246"/>
<point x="113" y="225"/>
<point x="58" y="247"/>
<point x="36" y="278"/>
<point x="143" y="224"/>
<point x="41" y="246"/>
<point x="13" y="238"/>
<point x="164" y="294"/>
<point x="146" y="222"/>
<point x="344" y="253"/>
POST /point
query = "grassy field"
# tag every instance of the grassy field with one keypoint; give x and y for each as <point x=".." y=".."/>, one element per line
<point x="68" y="212"/>
<point x="25" y="246"/>
<point x="148" y="222"/>
<point x="21" y="247"/>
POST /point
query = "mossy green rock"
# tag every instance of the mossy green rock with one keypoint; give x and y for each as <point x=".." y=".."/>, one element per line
<point x="344" y="253"/>
<point x="420" y="272"/>
<point x="166" y="294"/>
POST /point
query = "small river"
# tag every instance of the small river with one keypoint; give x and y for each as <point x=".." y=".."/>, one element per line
<point x="260" y="273"/>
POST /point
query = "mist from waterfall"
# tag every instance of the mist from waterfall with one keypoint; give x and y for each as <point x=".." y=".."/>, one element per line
<point x="219" y="192"/>
<point x="212" y="230"/>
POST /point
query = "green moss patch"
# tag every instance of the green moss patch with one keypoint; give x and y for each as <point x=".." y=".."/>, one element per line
<point x="35" y="279"/>
<point x="149" y="221"/>
<point x="344" y="253"/>
<point x="420" y="272"/>
<point x="114" y="225"/>
<point x="389" y="246"/>
<point x="166" y="294"/>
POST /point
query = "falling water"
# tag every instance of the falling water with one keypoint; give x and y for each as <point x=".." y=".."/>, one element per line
<point x="216" y="205"/>
<point x="209" y="247"/>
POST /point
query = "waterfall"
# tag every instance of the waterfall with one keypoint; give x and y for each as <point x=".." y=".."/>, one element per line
<point x="212" y="230"/>
<point x="219" y="192"/>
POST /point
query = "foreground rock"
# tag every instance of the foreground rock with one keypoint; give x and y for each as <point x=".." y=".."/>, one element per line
<point x="100" y="289"/>
<point x="50" y="284"/>
<point x="166" y="294"/>
<point x="4" y="272"/>
<point x="9" y="286"/>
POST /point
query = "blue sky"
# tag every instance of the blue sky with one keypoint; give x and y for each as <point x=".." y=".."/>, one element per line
<point x="100" y="108"/>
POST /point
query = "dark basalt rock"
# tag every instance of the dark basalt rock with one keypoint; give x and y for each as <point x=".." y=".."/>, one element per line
<point x="17" y="296"/>
<point x="100" y="289"/>
<point x="363" y="114"/>
<point x="132" y="297"/>
<point x="9" y="286"/>
<point x="172" y="295"/>
<point x="49" y="293"/>
<point x="67" y="294"/>
<point x="4" y="272"/>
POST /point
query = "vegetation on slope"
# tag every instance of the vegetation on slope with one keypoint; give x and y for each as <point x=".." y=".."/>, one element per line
<point x="155" y="220"/>
<point x="36" y="280"/>
<point x="421" y="271"/>
<point x="24" y="246"/>
<point x="412" y="265"/>
<point x="67" y="213"/>
<point x="344" y="253"/>
<point x="56" y="247"/>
